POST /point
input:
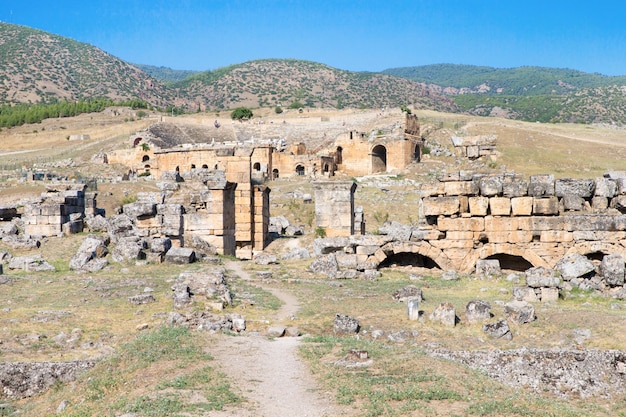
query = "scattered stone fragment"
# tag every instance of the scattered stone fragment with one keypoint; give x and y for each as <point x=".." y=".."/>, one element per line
<point x="477" y="311"/>
<point x="498" y="330"/>
<point x="519" y="312"/>
<point x="345" y="324"/>
<point x="445" y="314"/>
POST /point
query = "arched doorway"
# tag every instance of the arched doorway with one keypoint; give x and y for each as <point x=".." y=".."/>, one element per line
<point x="379" y="159"/>
<point x="256" y="167"/>
<point x="417" y="153"/>
<point x="511" y="262"/>
<point x="299" y="170"/>
<point x="275" y="173"/>
<point x="339" y="156"/>
<point x="409" y="259"/>
<point x="145" y="159"/>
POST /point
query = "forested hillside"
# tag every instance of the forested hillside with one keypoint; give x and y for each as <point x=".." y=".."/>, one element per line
<point x="520" y="81"/>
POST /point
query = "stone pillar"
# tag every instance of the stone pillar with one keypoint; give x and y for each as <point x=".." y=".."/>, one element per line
<point x="334" y="207"/>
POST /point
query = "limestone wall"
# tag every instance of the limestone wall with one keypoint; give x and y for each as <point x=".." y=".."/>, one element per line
<point x="539" y="220"/>
<point x="334" y="207"/>
<point x="60" y="210"/>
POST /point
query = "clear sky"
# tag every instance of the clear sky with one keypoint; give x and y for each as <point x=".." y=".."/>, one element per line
<point x="361" y="35"/>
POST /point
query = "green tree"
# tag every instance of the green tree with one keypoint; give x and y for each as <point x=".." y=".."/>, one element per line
<point x="241" y="113"/>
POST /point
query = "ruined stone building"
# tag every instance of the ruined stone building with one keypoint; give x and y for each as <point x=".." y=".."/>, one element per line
<point x="521" y="223"/>
<point x="61" y="210"/>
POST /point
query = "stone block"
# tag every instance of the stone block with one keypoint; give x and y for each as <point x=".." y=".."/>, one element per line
<point x="500" y="206"/>
<point x="478" y="206"/>
<point x="573" y="202"/>
<point x="178" y="255"/>
<point x="541" y="185"/>
<point x="454" y="188"/>
<point x="548" y="206"/>
<point x="472" y="152"/>
<point x="613" y="270"/>
<point x="567" y="186"/>
<point x="605" y="187"/>
<point x="524" y="294"/>
<point x="515" y="188"/>
<point x="549" y="294"/>
<point x="557" y="236"/>
<point x="522" y="206"/>
<point x="475" y="224"/>
<point x="490" y="186"/>
<point x="441" y="206"/>
<point x="600" y="203"/>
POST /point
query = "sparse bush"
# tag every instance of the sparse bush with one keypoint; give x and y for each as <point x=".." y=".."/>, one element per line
<point x="320" y="232"/>
<point x="278" y="110"/>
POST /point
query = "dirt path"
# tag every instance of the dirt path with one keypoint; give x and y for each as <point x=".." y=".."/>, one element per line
<point x="268" y="372"/>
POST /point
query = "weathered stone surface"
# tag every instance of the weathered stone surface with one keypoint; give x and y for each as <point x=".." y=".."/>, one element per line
<point x="141" y="299"/>
<point x="160" y="244"/>
<point x="182" y="295"/>
<point x="567" y="186"/>
<point x="563" y="372"/>
<point x="263" y="258"/>
<point x="128" y="249"/>
<point x="549" y="294"/>
<point x="441" y="206"/>
<point x="21" y="242"/>
<point x="396" y="231"/>
<point x="30" y="263"/>
<point x="574" y="265"/>
<point x="325" y="264"/>
<point x="605" y="187"/>
<point x="404" y="293"/>
<point x="478" y="206"/>
<point x="450" y="275"/>
<point x="613" y="270"/>
<point x="514" y="188"/>
<point x="298" y="253"/>
<point x="541" y="185"/>
<point x="201" y="245"/>
<point x="180" y="256"/>
<point x="276" y="331"/>
<point x="619" y="203"/>
<point x="445" y="313"/>
<point x="573" y="202"/>
<point x="344" y="324"/>
<point x="519" y="312"/>
<point x="524" y="294"/>
<point x="498" y="330"/>
<point x="325" y="246"/>
<point x="96" y="223"/>
<point x="27" y="379"/>
<point x="490" y="186"/>
<point x="548" y="206"/>
<point x="477" y="311"/>
<point x="542" y="277"/>
<point x="488" y="267"/>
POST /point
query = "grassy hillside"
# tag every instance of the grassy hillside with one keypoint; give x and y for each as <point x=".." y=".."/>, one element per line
<point x="273" y="82"/>
<point x="36" y="66"/>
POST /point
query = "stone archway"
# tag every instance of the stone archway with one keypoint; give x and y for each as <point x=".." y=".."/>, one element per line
<point x="492" y="250"/>
<point x="299" y="170"/>
<point x="379" y="159"/>
<point x="339" y="156"/>
<point x="422" y="252"/>
<point x="417" y="153"/>
<point x="597" y="248"/>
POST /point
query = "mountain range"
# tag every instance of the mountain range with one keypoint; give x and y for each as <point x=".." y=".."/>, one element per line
<point x="40" y="67"/>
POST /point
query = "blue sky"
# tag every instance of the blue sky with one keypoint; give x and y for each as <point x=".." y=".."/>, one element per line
<point x="351" y="35"/>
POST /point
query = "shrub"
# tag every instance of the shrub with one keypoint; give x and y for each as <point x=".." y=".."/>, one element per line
<point x="241" y="113"/>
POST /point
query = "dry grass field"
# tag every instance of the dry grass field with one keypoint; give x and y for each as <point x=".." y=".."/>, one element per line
<point x="160" y="371"/>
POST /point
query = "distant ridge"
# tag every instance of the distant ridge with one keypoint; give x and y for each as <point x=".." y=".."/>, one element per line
<point x="39" y="67"/>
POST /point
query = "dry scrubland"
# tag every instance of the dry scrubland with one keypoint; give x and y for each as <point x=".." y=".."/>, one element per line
<point x="164" y="372"/>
